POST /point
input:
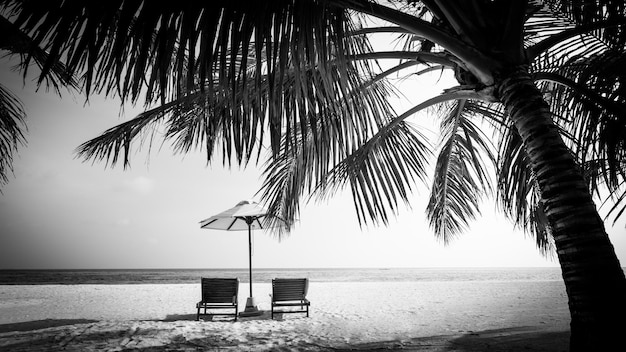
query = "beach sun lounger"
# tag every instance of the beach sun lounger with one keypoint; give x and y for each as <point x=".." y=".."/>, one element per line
<point x="290" y="293"/>
<point x="218" y="294"/>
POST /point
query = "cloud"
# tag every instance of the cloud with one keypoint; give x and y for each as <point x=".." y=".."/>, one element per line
<point x="122" y="222"/>
<point x="141" y="185"/>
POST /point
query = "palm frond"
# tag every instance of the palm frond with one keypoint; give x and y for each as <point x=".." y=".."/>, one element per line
<point x="381" y="172"/>
<point x="602" y="181"/>
<point x="460" y="179"/>
<point x="273" y="78"/>
<point x="12" y="128"/>
<point x="588" y="95"/>
<point x="373" y="176"/>
<point x="551" y="32"/>
<point x="380" y="163"/>
<point x="133" y="47"/>
<point x="517" y="191"/>
<point x="116" y="143"/>
<point x="583" y="13"/>
<point x="582" y="77"/>
<point x="231" y="116"/>
<point x="287" y="180"/>
<point x="15" y="42"/>
<point x="618" y="198"/>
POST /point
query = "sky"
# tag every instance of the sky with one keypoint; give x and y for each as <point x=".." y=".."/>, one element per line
<point x="59" y="212"/>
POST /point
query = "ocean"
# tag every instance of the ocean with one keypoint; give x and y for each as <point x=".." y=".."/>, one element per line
<point x="177" y="276"/>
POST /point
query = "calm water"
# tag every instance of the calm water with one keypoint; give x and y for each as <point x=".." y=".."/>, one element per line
<point x="168" y="276"/>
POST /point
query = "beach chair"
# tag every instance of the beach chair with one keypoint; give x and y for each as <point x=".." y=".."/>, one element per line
<point x="290" y="293"/>
<point x="218" y="294"/>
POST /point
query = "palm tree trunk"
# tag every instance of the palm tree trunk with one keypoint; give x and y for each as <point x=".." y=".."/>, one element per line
<point x="594" y="279"/>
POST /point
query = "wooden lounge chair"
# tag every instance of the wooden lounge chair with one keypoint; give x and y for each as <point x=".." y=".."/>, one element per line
<point x="218" y="294"/>
<point x="290" y="293"/>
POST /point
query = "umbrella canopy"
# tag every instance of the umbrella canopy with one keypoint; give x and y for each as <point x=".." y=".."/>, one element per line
<point x="245" y="215"/>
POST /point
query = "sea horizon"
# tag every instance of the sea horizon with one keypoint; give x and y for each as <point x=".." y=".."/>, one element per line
<point x="351" y="274"/>
<point x="294" y="268"/>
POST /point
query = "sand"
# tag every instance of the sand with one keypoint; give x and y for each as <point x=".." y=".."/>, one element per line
<point x="373" y="316"/>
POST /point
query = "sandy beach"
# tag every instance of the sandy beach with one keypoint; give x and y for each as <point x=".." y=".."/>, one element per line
<point x="345" y="316"/>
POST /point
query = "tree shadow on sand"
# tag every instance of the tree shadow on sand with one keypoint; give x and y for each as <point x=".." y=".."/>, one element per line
<point x="176" y="317"/>
<point x="265" y="315"/>
<point x="192" y="317"/>
<point x="498" y="340"/>
<point x="514" y="339"/>
<point x="41" y="324"/>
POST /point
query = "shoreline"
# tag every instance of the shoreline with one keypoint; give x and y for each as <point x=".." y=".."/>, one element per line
<point x="423" y="316"/>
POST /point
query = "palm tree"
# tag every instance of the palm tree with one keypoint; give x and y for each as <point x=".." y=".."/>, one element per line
<point x="548" y="75"/>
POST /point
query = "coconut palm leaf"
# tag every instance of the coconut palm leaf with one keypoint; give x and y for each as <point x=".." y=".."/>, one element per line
<point x="286" y="183"/>
<point x="580" y="70"/>
<point x="161" y="39"/>
<point x="16" y="42"/>
<point x="618" y="198"/>
<point x="171" y="50"/>
<point x="116" y="143"/>
<point x="598" y="124"/>
<point x="377" y="156"/>
<point x="12" y="127"/>
<point x="277" y="83"/>
<point x="518" y="193"/>
<point x="460" y="178"/>
<point x="516" y="188"/>
<point x="209" y="116"/>
<point x="585" y="92"/>
<point x="380" y="173"/>
<point x="601" y="183"/>
<point x="12" y="116"/>
<point x="583" y="13"/>
<point x="378" y="180"/>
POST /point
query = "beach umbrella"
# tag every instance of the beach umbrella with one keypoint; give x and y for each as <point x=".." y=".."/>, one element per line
<point x="245" y="216"/>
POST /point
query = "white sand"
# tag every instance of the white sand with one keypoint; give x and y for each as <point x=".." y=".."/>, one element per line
<point x="341" y="314"/>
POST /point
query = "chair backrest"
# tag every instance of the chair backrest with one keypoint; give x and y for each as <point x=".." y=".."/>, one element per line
<point x="289" y="289"/>
<point x="215" y="290"/>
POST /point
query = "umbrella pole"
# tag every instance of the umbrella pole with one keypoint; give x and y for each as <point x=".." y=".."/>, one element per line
<point x="251" y="308"/>
<point x="250" y="256"/>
